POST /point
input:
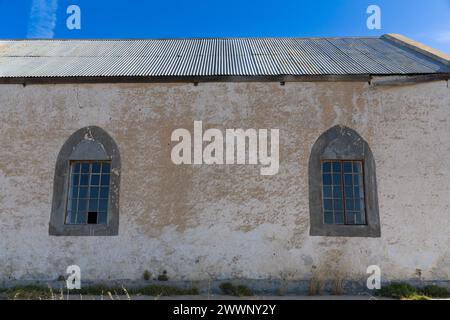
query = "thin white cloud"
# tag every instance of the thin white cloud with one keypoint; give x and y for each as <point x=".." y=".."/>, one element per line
<point x="443" y="37"/>
<point x="42" y="21"/>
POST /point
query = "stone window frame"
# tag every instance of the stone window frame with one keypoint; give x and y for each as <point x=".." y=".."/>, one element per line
<point x="88" y="143"/>
<point x="342" y="143"/>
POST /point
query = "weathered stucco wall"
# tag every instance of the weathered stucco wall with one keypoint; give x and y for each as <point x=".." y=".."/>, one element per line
<point x="202" y="222"/>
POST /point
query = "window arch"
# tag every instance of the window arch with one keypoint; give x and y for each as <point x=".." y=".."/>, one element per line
<point x="343" y="198"/>
<point x="86" y="186"/>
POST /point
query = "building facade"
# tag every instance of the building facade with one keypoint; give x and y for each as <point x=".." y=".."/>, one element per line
<point x="363" y="175"/>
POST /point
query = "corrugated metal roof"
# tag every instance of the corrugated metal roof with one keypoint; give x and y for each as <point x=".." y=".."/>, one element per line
<point x="212" y="57"/>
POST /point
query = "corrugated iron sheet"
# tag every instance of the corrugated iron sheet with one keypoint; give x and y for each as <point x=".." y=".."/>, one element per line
<point x="211" y="57"/>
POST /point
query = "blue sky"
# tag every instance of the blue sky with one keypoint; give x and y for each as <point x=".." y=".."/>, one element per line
<point x="425" y="21"/>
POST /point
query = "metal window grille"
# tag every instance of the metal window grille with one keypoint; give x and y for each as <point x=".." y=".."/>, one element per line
<point x="89" y="185"/>
<point x="343" y="192"/>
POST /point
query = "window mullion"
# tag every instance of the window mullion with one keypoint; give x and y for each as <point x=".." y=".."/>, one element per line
<point x="343" y="191"/>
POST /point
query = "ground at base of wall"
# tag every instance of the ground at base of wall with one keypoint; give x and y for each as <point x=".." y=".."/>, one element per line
<point x="227" y="291"/>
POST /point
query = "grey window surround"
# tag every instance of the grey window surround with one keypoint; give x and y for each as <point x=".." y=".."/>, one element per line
<point x="89" y="143"/>
<point x="342" y="143"/>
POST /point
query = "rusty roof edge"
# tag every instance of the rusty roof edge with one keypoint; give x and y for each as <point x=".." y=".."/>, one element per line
<point x="390" y="79"/>
<point x="418" y="47"/>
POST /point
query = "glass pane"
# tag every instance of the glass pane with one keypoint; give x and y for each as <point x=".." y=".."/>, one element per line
<point x="337" y="192"/>
<point x="327" y="179"/>
<point x="73" y="205"/>
<point x="82" y="205"/>
<point x="105" y="180"/>
<point x="357" y="167"/>
<point x="339" y="217"/>
<point x="81" y="217"/>
<point x="75" y="179"/>
<point x="348" y="192"/>
<point x="328" y="204"/>
<point x="328" y="217"/>
<point x="337" y="205"/>
<point x="348" y="179"/>
<point x="105" y="167"/>
<point x="358" y="218"/>
<point x="337" y="179"/>
<point x="349" y="204"/>
<point x="84" y="181"/>
<point x="337" y="167"/>
<point x="85" y="168"/>
<point x="96" y="167"/>
<point x="350" y="218"/>
<point x="104" y="192"/>
<point x="71" y="217"/>
<point x="326" y="167"/>
<point x="347" y="167"/>
<point x="101" y="218"/>
<point x="76" y="167"/>
<point x="357" y="204"/>
<point x="357" y="179"/>
<point x="73" y="193"/>
<point x="357" y="195"/>
<point x="94" y="192"/>
<point x="83" y="192"/>
<point x="93" y="205"/>
<point x="95" y="179"/>
<point x="327" y="192"/>
<point x="103" y="205"/>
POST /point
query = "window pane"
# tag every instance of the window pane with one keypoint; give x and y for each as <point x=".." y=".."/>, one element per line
<point x="73" y="205"/>
<point x="337" y="167"/>
<point x="101" y="218"/>
<point x="326" y="167"/>
<point x="95" y="180"/>
<point x="105" y="167"/>
<point x="83" y="198"/>
<point x="85" y="168"/>
<point x="327" y="179"/>
<point x="104" y="192"/>
<point x="348" y="192"/>
<point x="94" y="192"/>
<point x="347" y="167"/>
<point x="349" y="204"/>
<point x="84" y="181"/>
<point x="328" y="204"/>
<point x="83" y="192"/>
<point x="71" y="217"/>
<point x="357" y="167"/>
<point x="73" y="193"/>
<point x="103" y="205"/>
<point x="81" y="217"/>
<point x="328" y="217"/>
<point x="96" y="167"/>
<point x="75" y="179"/>
<point x="358" y="218"/>
<point x="76" y="167"/>
<point x="327" y="192"/>
<point x="82" y="205"/>
<point x="337" y="192"/>
<point x="93" y="205"/>
<point x="337" y="179"/>
<point x="357" y="192"/>
<point x="337" y="205"/>
<point x="105" y="180"/>
<point x="339" y="217"/>
<point x="350" y="218"/>
<point x="348" y="179"/>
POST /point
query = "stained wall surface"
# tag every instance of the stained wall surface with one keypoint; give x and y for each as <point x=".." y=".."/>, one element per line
<point x="204" y="222"/>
